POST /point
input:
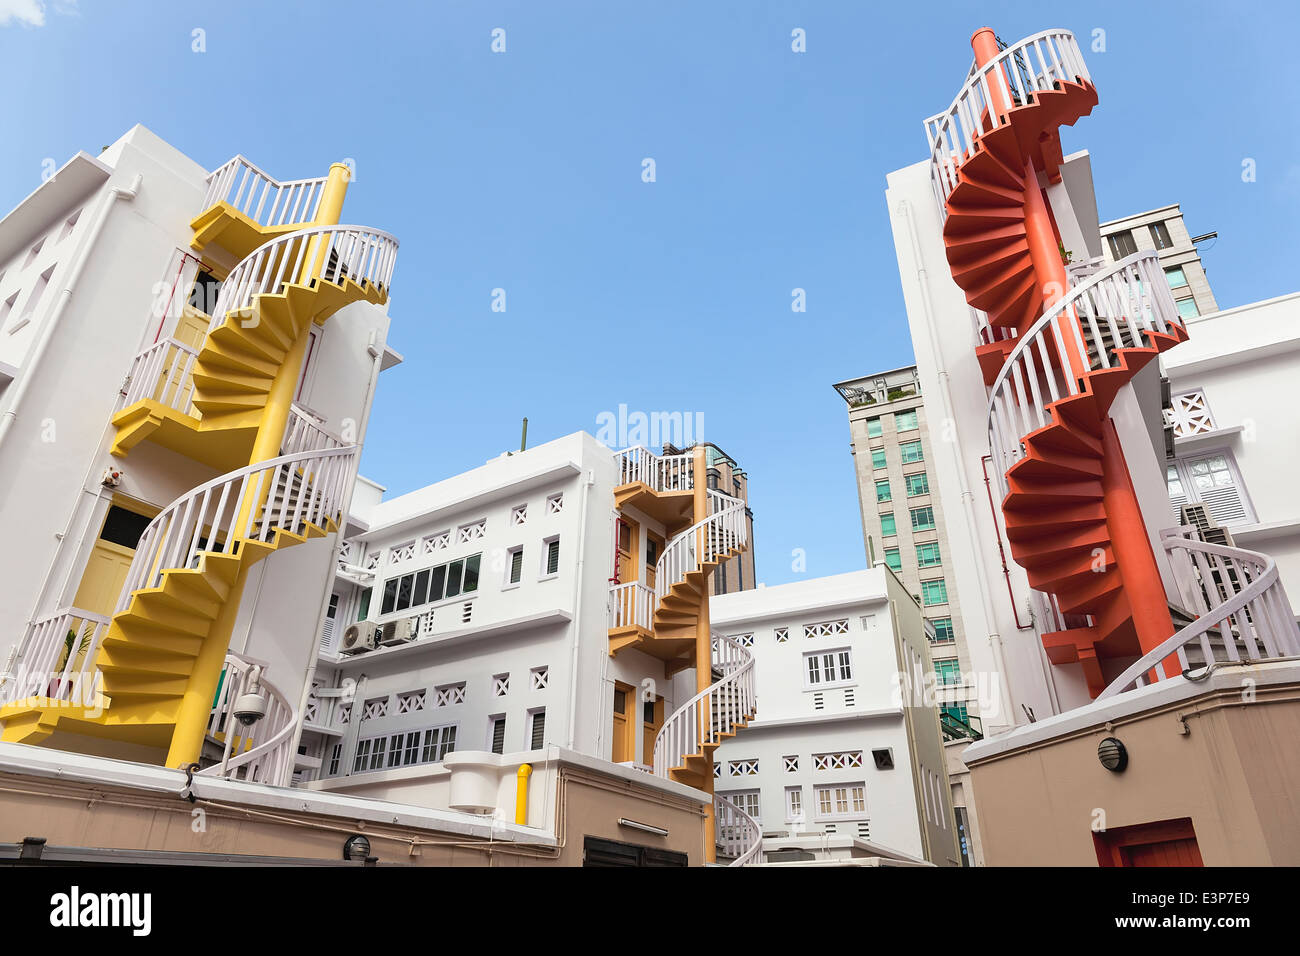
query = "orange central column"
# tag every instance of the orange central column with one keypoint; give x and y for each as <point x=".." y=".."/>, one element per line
<point x="1143" y="586"/>
<point x="703" y="633"/>
<point x="985" y="44"/>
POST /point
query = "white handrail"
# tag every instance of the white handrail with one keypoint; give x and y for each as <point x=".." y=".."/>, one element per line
<point x="631" y="605"/>
<point x="321" y="253"/>
<point x="1034" y="64"/>
<point x="262" y="752"/>
<point x="739" y="834"/>
<point x="713" y="712"/>
<point x="164" y="373"/>
<point x="247" y="189"/>
<point x="658" y="472"/>
<point x="1241" y="602"/>
<point x="247" y="504"/>
<point x="306" y="432"/>
<point x="705" y="542"/>
<point x="1111" y="310"/>
<point x="70" y="630"/>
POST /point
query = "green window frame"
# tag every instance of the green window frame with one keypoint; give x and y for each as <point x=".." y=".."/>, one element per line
<point x="887" y="524"/>
<point x="934" y="592"/>
<point x="873" y="428"/>
<point x="882" y="490"/>
<point x="928" y="556"/>
<point x="923" y="518"/>
<point x="943" y="630"/>
<point x="918" y="484"/>
<point x="894" y="559"/>
<point x="948" y="671"/>
<point x="905" y="421"/>
<point x="911" y="451"/>
<point x="957" y="710"/>
<point x="878" y="458"/>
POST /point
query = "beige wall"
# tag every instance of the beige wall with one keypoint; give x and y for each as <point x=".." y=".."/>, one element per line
<point x="80" y="814"/>
<point x="1233" y="771"/>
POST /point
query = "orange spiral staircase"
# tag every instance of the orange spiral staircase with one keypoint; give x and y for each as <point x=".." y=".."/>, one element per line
<point x="1070" y="510"/>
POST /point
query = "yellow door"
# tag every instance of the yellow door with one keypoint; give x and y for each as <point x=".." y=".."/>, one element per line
<point x="102" y="581"/>
<point x="654" y="547"/>
<point x="652" y="719"/>
<point x="175" y="389"/>
<point x="627" y="549"/>
<point x="624" y="698"/>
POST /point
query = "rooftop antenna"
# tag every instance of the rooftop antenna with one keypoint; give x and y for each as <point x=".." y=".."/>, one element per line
<point x="523" y="439"/>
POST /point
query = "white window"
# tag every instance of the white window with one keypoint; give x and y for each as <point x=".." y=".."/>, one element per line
<point x="375" y="707"/>
<point x="1190" y="414"/>
<point x="837" y="801"/>
<point x="537" y="729"/>
<point x="742" y="768"/>
<point x="842" y="760"/>
<point x="794" y="804"/>
<point x="514" y="565"/>
<point x="411" y="702"/>
<point x="1214" y="481"/>
<point x="436" y="542"/>
<point x="550" y="557"/>
<point x="402" y="552"/>
<point x="747" y="800"/>
<point x="828" y="668"/>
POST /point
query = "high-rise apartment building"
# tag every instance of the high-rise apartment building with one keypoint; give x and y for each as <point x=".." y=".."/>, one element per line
<point x="1163" y="230"/>
<point x="903" y="520"/>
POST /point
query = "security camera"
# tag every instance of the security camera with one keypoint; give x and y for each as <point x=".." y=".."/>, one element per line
<point x="250" y="708"/>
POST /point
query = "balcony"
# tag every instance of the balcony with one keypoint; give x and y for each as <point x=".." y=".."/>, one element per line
<point x="660" y="486"/>
<point x="244" y="207"/>
<point x="631" y="615"/>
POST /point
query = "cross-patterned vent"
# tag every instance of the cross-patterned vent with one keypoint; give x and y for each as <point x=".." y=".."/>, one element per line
<point x="500" y="685"/>
<point x="826" y="628"/>
<point x="471" y="532"/>
<point x="411" y="702"/>
<point x="449" y="694"/>
<point x="844" y="760"/>
<point x="791" y="763"/>
<point x="538" y="677"/>
<point x="375" y="707"/>
<point x="519" y="515"/>
<point x="782" y="635"/>
<point x="555" y="504"/>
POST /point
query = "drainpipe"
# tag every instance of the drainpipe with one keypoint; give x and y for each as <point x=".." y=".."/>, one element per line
<point x="577" y="610"/>
<point x="1002" y="555"/>
<point x="967" y="499"/>
<point x="521" y="793"/>
<point x="38" y="352"/>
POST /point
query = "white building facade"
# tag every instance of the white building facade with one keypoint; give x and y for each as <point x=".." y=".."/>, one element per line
<point x="839" y="746"/>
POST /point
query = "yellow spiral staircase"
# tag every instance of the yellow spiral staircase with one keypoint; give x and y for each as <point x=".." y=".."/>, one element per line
<point x="148" y="677"/>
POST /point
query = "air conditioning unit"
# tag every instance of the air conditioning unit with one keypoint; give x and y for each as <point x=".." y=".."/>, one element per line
<point x="1198" y="517"/>
<point x="398" y="632"/>
<point x="360" y="637"/>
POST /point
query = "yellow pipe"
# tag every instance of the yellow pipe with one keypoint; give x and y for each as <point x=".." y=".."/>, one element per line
<point x="521" y="793"/>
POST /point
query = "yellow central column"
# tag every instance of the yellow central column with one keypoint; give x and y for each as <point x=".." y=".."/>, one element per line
<point x="703" y="634"/>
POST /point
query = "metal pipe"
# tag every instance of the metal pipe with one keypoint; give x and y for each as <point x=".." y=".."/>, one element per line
<point x="1001" y="553"/>
<point x="521" y="793"/>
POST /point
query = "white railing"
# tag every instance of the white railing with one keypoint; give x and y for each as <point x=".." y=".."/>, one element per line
<point x="306" y="432"/>
<point x="1113" y="310"/>
<point x="710" y="541"/>
<point x="248" y="504"/>
<point x="658" y="472"/>
<point x="58" y="657"/>
<point x="164" y="373"/>
<point x="631" y="605"/>
<point x="739" y="834"/>
<point x="1008" y="80"/>
<point x="1243" y="611"/>
<point x="713" y="712"/>
<point x="248" y="189"/>
<point x="325" y="253"/>
<point x="263" y="751"/>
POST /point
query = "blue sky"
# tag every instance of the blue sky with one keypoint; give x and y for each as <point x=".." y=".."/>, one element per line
<point x="522" y="171"/>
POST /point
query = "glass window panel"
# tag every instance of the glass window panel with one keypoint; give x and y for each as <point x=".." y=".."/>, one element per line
<point x="455" y="571"/>
<point x="471" y="573"/>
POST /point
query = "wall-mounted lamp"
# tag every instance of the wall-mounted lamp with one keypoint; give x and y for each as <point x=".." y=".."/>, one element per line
<point x="1112" y="754"/>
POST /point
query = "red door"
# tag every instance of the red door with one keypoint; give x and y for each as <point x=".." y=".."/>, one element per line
<point x="1166" y="843"/>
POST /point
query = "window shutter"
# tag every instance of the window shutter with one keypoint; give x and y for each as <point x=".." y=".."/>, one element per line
<point x="552" y="557"/>
<point x="499" y="735"/>
<point x="539" y="730"/>
<point x="516" y="566"/>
